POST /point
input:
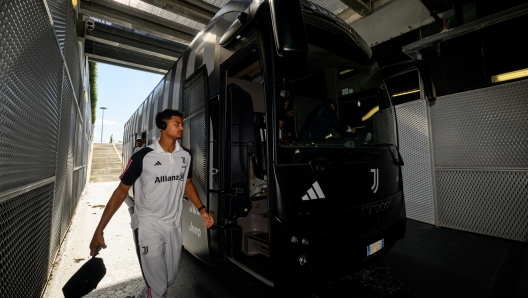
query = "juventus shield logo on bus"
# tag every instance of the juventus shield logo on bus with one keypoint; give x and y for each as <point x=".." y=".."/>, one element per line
<point x="374" y="186"/>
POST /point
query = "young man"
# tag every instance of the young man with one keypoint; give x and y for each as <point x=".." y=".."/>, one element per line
<point x="139" y="145"/>
<point x="158" y="203"/>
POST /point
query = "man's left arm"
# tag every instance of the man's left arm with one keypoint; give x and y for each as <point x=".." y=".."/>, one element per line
<point x="192" y="194"/>
<point x="337" y="124"/>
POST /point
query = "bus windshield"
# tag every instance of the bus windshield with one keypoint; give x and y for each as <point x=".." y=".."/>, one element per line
<point x="337" y="109"/>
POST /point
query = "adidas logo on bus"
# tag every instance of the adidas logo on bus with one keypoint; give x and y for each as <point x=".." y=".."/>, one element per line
<point x="314" y="193"/>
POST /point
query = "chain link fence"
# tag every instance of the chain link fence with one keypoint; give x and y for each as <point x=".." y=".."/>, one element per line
<point x="45" y="132"/>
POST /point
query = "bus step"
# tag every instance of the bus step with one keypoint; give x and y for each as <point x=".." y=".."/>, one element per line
<point x="262" y="238"/>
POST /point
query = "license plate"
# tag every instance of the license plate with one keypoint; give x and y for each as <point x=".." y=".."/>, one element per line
<point x="375" y="247"/>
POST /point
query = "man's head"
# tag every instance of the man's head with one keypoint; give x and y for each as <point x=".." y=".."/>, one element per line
<point x="170" y="122"/>
<point x="139" y="142"/>
<point x="332" y="104"/>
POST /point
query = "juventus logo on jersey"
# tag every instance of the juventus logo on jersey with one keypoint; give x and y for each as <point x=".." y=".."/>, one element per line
<point x="145" y="250"/>
<point x="183" y="160"/>
<point x="374" y="186"/>
<point x="315" y="192"/>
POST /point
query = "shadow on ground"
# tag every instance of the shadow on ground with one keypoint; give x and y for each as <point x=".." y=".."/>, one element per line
<point x="197" y="280"/>
<point x="428" y="262"/>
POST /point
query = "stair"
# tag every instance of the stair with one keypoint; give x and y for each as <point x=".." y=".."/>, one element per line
<point x="262" y="238"/>
<point x="258" y="243"/>
<point x="106" y="163"/>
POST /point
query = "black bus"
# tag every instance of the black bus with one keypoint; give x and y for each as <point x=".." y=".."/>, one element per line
<point x="285" y="209"/>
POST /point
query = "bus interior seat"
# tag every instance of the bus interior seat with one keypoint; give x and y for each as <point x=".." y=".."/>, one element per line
<point x="302" y="107"/>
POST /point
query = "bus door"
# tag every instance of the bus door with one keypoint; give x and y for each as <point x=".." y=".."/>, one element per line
<point x="196" y="139"/>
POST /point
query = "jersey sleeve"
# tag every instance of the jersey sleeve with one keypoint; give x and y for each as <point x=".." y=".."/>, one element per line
<point x="134" y="167"/>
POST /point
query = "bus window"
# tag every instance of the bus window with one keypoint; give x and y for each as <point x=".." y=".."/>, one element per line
<point x="338" y="108"/>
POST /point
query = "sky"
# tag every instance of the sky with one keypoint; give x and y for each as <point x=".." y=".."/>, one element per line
<point x="121" y="90"/>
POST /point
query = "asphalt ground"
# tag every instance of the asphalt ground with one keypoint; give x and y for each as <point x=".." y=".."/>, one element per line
<point x="428" y="262"/>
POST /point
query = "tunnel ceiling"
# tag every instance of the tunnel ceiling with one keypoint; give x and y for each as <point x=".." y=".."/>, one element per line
<point x="151" y="35"/>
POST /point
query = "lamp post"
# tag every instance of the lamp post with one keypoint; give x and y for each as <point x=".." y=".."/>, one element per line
<point x="102" y="122"/>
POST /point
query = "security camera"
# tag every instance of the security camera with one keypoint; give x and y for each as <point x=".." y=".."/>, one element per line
<point x="90" y="24"/>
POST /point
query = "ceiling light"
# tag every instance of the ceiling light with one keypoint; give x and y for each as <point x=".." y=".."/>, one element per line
<point x="510" y="76"/>
<point x="370" y="113"/>
<point x="345" y="71"/>
<point x="406" y="92"/>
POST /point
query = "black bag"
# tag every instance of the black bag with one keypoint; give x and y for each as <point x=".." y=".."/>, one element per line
<point x="85" y="279"/>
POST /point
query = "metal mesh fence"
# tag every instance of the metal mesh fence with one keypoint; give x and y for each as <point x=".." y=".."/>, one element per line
<point x="40" y="122"/>
<point x="76" y="189"/>
<point x="29" y="96"/>
<point x="480" y="128"/>
<point x="79" y="141"/>
<point x="62" y="166"/>
<point x="485" y="202"/>
<point x="383" y="124"/>
<point x="24" y="249"/>
<point x="416" y="153"/>
<point x="58" y="15"/>
<point x="481" y="160"/>
<point x="68" y="198"/>
<point x="72" y="54"/>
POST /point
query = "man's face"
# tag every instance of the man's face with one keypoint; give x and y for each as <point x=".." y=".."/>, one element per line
<point x="139" y="143"/>
<point x="174" y="127"/>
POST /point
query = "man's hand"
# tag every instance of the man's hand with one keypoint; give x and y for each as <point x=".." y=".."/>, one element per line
<point x="190" y="192"/>
<point x="97" y="240"/>
<point x="113" y="204"/>
<point x="209" y="221"/>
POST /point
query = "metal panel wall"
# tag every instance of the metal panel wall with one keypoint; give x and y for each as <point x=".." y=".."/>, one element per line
<point x="59" y="14"/>
<point x="62" y="167"/>
<point x="24" y="245"/>
<point x="29" y="96"/>
<point x="41" y="91"/>
<point x="68" y="198"/>
<point x="481" y="160"/>
<point x="415" y="149"/>
<point x="71" y="54"/>
<point x="383" y="124"/>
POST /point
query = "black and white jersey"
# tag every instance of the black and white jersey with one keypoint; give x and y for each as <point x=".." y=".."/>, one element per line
<point x="159" y="183"/>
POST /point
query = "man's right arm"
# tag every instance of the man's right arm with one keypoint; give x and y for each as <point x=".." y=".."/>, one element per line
<point x="113" y="204"/>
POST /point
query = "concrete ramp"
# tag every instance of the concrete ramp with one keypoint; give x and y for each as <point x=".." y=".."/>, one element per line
<point x="106" y="163"/>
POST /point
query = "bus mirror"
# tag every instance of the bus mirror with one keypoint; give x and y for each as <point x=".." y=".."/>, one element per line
<point x="233" y="32"/>
<point x="406" y="66"/>
<point x="288" y="27"/>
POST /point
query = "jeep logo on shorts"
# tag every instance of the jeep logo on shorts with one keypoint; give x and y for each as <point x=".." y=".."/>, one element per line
<point x="195" y="230"/>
